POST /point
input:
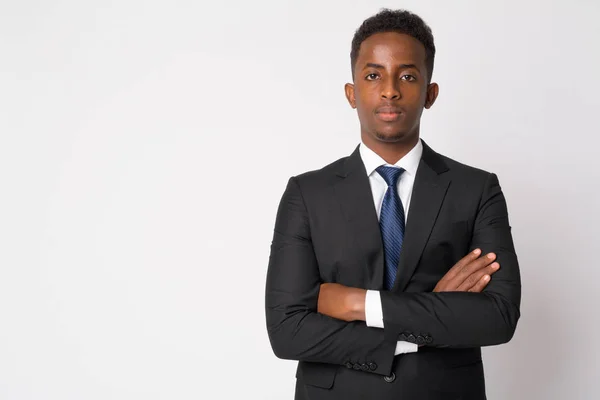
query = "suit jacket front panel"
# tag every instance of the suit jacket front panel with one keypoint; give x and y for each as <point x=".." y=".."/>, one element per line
<point x="449" y="239"/>
<point x="344" y="225"/>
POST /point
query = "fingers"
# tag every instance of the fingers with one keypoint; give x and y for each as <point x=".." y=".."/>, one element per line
<point x="478" y="279"/>
<point x="472" y="256"/>
<point x="480" y="285"/>
<point x="472" y="268"/>
<point x="468" y="274"/>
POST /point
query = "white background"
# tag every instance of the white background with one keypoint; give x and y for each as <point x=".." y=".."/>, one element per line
<point x="144" y="147"/>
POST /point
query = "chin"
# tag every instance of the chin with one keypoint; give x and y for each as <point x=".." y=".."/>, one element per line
<point x="391" y="137"/>
<point x="396" y="134"/>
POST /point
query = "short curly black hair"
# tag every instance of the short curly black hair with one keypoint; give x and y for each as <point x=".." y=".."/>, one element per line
<point x="400" y="21"/>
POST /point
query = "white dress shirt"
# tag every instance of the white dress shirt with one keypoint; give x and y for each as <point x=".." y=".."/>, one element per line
<point x="410" y="163"/>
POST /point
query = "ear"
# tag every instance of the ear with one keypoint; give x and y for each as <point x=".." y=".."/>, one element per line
<point x="349" y="89"/>
<point x="432" y="93"/>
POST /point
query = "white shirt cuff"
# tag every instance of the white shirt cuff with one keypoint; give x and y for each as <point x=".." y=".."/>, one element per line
<point x="406" y="347"/>
<point x="373" y="309"/>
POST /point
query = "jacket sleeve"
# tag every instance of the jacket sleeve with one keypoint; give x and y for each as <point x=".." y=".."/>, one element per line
<point x="463" y="319"/>
<point x="296" y="330"/>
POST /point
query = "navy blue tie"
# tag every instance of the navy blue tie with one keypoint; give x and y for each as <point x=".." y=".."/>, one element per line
<point x="391" y="223"/>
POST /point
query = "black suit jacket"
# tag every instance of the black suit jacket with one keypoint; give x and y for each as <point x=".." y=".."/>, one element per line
<point x="327" y="230"/>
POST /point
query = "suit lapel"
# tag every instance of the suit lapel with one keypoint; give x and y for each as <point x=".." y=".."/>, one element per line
<point x="353" y="193"/>
<point x="429" y="190"/>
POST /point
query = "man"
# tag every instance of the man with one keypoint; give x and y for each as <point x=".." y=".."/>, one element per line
<point x="380" y="275"/>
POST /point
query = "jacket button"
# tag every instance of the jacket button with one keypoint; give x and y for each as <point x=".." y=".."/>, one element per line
<point x="364" y="367"/>
<point x="420" y="340"/>
<point x="411" y="338"/>
<point x="390" y="379"/>
<point x="357" y="366"/>
<point x="349" y="365"/>
<point x="428" y="339"/>
<point x="372" y="366"/>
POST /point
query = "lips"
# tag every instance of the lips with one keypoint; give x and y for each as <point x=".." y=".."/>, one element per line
<point x="388" y="110"/>
<point x="389" y="113"/>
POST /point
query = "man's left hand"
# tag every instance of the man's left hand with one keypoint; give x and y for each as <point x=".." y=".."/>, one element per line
<point x="342" y="302"/>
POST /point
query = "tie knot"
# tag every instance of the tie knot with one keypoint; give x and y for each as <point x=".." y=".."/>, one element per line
<point x="390" y="174"/>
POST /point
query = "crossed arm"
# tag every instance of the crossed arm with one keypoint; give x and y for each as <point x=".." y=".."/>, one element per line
<point x="337" y="334"/>
<point x="471" y="274"/>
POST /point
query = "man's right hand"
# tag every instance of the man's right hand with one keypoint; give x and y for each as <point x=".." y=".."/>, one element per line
<point x="471" y="274"/>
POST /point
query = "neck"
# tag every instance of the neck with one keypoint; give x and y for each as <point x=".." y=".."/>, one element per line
<point x="391" y="152"/>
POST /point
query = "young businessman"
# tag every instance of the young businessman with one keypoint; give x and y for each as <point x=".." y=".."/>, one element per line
<point x="380" y="275"/>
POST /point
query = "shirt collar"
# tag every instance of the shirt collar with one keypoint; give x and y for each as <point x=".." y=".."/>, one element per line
<point x="410" y="162"/>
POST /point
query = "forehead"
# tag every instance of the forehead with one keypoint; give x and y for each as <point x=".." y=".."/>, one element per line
<point x="391" y="47"/>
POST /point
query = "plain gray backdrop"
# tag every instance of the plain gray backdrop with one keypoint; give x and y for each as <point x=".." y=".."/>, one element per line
<point x="144" y="147"/>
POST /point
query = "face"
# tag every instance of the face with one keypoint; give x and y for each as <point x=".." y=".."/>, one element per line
<point x="390" y="88"/>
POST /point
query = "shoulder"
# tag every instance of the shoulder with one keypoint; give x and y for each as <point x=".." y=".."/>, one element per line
<point x="465" y="171"/>
<point x="320" y="178"/>
<point x="469" y="178"/>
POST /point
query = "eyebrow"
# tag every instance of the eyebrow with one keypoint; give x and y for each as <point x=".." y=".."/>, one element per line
<point x="401" y="66"/>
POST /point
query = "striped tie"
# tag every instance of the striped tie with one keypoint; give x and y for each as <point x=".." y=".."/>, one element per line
<point x="391" y="223"/>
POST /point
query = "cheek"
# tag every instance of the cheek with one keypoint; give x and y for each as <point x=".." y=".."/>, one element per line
<point x="416" y="102"/>
<point x="364" y="107"/>
<point x="364" y="116"/>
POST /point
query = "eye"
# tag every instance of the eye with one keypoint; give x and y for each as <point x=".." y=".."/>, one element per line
<point x="408" y="78"/>
<point x="372" y="76"/>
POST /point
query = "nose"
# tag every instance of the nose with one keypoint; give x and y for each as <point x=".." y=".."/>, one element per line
<point x="390" y="90"/>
